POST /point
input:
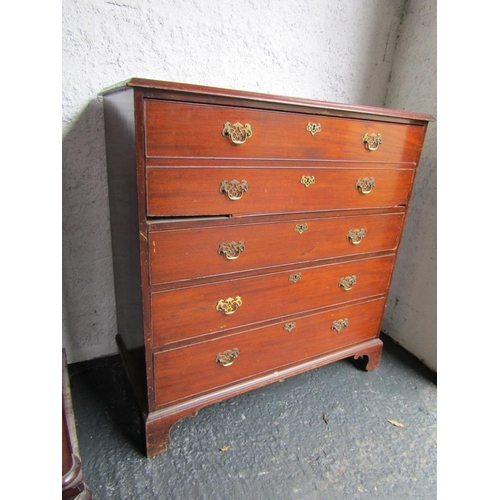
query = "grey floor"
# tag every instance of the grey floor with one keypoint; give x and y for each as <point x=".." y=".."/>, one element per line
<point x="325" y="434"/>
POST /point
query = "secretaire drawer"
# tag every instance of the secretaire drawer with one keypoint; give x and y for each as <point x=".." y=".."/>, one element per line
<point x="175" y="129"/>
<point x="203" y="309"/>
<point x="204" y="251"/>
<point x="240" y="191"/>
<point x="184" y="372"/>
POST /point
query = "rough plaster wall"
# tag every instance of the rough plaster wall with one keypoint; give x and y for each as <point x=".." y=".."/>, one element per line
<point x="337" y="51"/>
<point x="411" y="309"/>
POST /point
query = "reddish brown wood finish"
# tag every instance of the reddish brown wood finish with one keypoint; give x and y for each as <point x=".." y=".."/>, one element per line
<point x="167" y="158"/>
<point x="190" y="312"/>
<point x="157" y="428"/>
<point x="186" y="92"/>
<point x="371" y="357"/>
<point x="187" y="371"/>
<point x="195" y="130"/>
<point x="159" y="424"/>
<point x="183" y="254"/>
<point x="196" y="191"/>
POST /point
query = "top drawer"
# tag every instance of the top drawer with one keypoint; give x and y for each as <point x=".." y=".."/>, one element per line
<point x="176" y="129"/>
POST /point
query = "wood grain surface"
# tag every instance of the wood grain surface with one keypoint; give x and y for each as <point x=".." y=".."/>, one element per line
<point x="197" y="191"/>
<point x="183" y="254"/>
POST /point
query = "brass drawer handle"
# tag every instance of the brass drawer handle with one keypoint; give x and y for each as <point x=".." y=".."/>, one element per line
<point x="234" y="189"/>
<point x="372" y="141"/>
<point x="231" y="250"/>
<point x="300" y="228"/>
<point x="365" y="185"/>
<point x="236" y="132"/>
<point x="229" y="305"/>
<point x="314" y="128"/>
<point x="307" y="180"/>
<point x="295" y="277"/>
<point x="290" y="326"/>
<point x="348" y="282"/>
<point x="356" y="235"/>
<point x="227" y="357"/>
<point x="339" y="324"/>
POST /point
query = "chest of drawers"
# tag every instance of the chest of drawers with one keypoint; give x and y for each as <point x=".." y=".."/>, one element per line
<point x="254" y="237"/>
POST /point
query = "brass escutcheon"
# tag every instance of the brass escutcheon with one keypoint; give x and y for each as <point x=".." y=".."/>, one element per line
<point x="227" y="357"/>
<point x="229" y="305"/>
<point x="372" y="141"/>
<point x="314" y="128"/>
<point x="348" y="282"/>
<point x="339" y="324"/>
<point x="290" y="326"/>
<point x="300" y="228"/>
<point x="295" y="277"/>
<point x="234" y="189"/>
<point x="231" y="250"/>
<point x="365" y="185"/>
<point x="236" y="132"/>
<point x="307" y="180"/>
<point x="356" y="235"/>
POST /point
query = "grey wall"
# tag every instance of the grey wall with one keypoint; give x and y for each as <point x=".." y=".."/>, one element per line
<point x="339" y="51"/>
<point x="411" y="317"/>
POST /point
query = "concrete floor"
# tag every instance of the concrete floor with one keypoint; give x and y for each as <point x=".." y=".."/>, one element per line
<point x="324" y="434"/>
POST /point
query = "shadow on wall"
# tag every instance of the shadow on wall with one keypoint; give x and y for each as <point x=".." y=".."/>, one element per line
<point x="89" y="321"/>
<point x="374" y="44"/>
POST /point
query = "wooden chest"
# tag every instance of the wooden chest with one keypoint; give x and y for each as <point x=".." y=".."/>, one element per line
<point x="254" y="237"/>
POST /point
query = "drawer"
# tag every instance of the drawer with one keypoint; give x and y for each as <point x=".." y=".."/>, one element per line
<point x="187" y="371"/>
<point x="200" y="251"/>
<point x="241" y="191"/>
<point x="175" y="130"/>
<point x="215" y="307"/>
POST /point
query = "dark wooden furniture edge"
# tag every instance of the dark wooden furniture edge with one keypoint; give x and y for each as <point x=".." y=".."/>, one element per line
<point x="159" y="423"/>
<point x="134" y="364"/>
<point x="73" y="485"/>
<point x="376" y="112"/>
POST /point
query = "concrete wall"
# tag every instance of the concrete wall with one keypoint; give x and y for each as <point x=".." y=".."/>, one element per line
<point x="411" y="317"/>
<point x="337" y="51"/>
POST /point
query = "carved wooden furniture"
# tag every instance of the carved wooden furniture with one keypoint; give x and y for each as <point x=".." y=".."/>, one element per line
<point x="254" y="237"/>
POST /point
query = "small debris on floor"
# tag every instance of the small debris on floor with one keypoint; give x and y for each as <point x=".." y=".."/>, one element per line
<point x="325" y="418"/>
<point x="396" y="424"/>
<point x="224" y="448"/>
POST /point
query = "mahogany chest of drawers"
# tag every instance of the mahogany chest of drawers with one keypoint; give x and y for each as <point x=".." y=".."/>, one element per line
<point x="254" y="237"/>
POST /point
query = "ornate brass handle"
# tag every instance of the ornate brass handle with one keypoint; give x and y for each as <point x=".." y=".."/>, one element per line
<point x="300" y="228"/>
<point x="339" y="324"/>
<point x="227" y="357"/>
<point x="356" y="235"/>
<point x="231" y="250"/>
<point x="314" y="128"/>
<point x="289" y="326"/>
<point x="372" y="141"/>
<point x="365" y="185"/>
<point x="348" y="282"/>
<point x="236" y="132"/>
<point x="295" y="277"/>
<point x="229" y="305"/>
<point x="234" y="189"/>
<point x="307" y="180"/>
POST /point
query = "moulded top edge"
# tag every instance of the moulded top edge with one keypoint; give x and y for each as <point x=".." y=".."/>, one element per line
<point x="254" y="96"/>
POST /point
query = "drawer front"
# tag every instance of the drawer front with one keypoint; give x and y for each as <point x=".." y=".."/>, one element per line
<point x="200" y="131"/>
<point x="184" y="372"/>
<point x="198" y="310"/>
<point x="240" y="191"/>
<point x="182" y="254"/>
